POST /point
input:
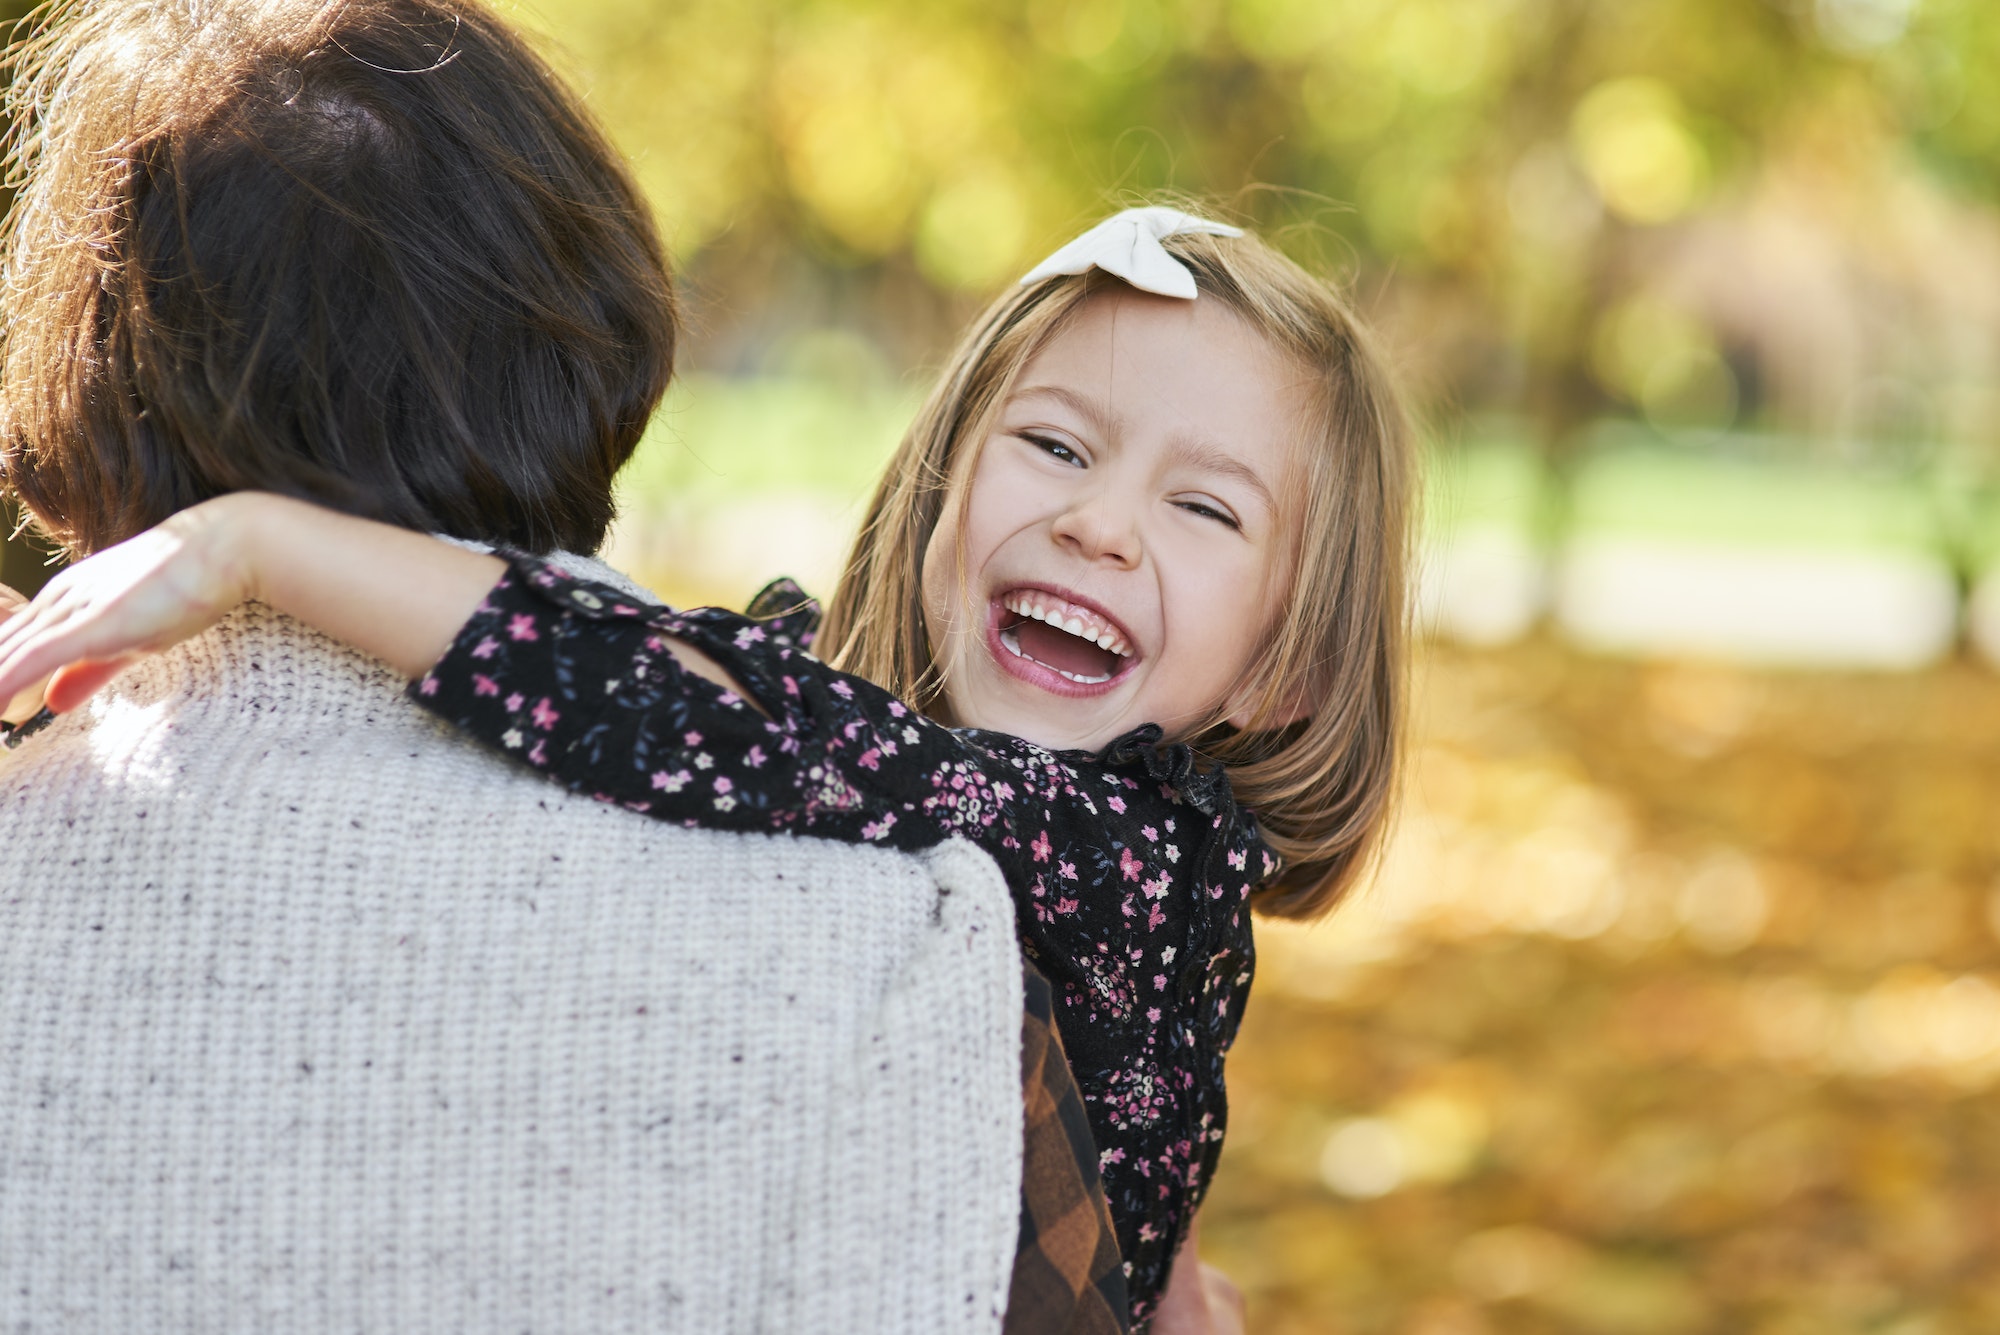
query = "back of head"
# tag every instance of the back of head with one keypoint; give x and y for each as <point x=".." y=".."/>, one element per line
<point x="365" y="252"/>
<point x="1318" y="761"/>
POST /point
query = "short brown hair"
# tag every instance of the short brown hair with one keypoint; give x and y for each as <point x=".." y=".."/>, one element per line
<point x="370" y="253"/>
<point x="1321" y="774"/>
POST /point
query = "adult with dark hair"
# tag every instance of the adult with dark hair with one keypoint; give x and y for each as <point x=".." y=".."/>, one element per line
<point x="313" y="1015"/>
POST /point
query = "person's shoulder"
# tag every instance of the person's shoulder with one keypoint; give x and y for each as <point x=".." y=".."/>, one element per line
<point x="595" y="571"/>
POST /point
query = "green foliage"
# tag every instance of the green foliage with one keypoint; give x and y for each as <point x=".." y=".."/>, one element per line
<point x="1496" y="175"/>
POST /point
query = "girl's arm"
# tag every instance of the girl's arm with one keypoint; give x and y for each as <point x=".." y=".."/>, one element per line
<point x="579" y="682"/>
<point x="607" y="697"/>
<point x="393" y="594"/>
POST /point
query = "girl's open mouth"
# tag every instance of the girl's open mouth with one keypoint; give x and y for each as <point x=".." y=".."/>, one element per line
<point x="1039" y="634"/>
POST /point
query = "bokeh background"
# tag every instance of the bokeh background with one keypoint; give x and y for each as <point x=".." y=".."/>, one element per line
<point x="1676" y="1005"/>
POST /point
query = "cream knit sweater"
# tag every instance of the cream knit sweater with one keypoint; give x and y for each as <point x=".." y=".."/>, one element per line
<point x="315" y="1017"/>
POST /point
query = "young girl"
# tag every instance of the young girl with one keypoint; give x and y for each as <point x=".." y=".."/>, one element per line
<point x="1135" y="574"/>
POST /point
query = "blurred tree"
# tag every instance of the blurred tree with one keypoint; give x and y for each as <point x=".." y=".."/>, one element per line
<point x="1706" y="213"/>
<point x="1504" y="177"/>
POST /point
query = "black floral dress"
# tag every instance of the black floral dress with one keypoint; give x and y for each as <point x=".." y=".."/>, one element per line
<point x="1131" y="870"/>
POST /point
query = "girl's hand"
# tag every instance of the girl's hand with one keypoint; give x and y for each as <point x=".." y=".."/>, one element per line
<point x="25" y="704"/>
<point x="1200" y="1299"/>
<point x="144" y="595"/>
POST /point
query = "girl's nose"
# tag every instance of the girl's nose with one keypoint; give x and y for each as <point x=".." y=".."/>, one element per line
<point x="1098" y="528"/>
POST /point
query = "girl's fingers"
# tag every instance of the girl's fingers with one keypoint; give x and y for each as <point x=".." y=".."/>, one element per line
<point x="19" y="624"/>
<point x="48" y="642"/>
<point x="22" y="707"/>
<point x="11" y="601"/>
<point x="72" y="685"/>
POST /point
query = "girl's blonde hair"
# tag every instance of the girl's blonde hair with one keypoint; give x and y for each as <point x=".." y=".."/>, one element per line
<point x="1321" y="774"/>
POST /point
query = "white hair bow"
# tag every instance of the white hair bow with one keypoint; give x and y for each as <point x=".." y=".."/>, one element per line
<point x="1128" y="244"/>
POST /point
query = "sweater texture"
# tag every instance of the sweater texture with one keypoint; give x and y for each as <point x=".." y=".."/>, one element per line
<point x="315" y="1017"/>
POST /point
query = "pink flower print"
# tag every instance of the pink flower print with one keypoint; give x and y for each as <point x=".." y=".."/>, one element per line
<point x="1065" y="907"/>
<point x="1105" y="1158"/>
<point x="1129" y="865"/>
<point x="544" y="717"/>
<point x="536" y="756"/>
<point x="692" y="739"/>
<point x="1159" y="985"/>
<point x="879" y="828"/>
<point x="1157" y="887"/>
<point x="1238" y="858"/>
<point x="515" y="701"/>
<point x="1170" y="827"/>
<point x="428" y="686"/>
<point x="870" y="759"/>
<point x="791" y="686"/>
<point x="1041" y="847"/>
<point x="670" y="783"/>
<point x="1152" y="835"/>
<point x="522" y="627"/>
<point x="748" y="636"/>
<point x="755" y="757"/>
<point x="1115" y="803"/>
<point x="620" y="609"/>
<point x="843" y="690"/>
<point x="896" y="709"/>
<point x="1154" y="917"/>
<point x="722" y="783"/>
<point x="1173" y="852"/>
<point x="1153" y="1014"/>
<point x="486" y="648"/>
<point x="484" y="685"/>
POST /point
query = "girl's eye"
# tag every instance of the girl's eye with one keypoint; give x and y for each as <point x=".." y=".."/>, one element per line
<point x="1052" y="447"/>
<point x="1207" y="511"/>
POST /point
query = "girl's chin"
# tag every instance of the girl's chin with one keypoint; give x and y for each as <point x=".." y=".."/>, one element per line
<point x="1051" y="722"/>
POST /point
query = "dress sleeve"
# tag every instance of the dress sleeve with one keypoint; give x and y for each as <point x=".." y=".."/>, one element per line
<point x="581" y="683"/>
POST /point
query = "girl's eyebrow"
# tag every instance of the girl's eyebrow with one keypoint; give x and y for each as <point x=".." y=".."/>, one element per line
<point x="1208" y="457"/>
<point x="1084" y="406"/>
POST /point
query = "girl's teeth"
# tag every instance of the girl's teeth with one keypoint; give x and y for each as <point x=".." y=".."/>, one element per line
<point x="1013" y="646"/>
<point x="1104" y="638"/>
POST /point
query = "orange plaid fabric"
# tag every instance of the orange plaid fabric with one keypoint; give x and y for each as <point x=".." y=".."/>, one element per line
<point x="1068" y="1276"/>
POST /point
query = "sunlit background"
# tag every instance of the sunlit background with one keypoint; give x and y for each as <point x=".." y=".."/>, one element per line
<point x="1676" y="1007"/>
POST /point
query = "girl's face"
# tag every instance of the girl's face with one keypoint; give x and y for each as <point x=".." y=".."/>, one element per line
<point x="1120" y="556"/>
